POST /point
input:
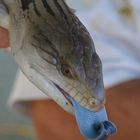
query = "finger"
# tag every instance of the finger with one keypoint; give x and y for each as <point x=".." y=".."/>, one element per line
<point x="4" y="38"/>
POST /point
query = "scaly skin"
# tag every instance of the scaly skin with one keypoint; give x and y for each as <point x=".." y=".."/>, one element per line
<point x="55" y="51"/>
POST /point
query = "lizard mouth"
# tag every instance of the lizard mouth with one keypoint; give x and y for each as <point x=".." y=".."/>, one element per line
<point x="96" y="105"/>
<point x="65" y="94"/>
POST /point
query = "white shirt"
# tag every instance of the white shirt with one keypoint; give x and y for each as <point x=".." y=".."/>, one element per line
<point x="115" y="28"/>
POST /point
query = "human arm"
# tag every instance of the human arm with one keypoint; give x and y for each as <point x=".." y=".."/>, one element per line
<point x="53" y="123"/>
<point x="122" y="105"/>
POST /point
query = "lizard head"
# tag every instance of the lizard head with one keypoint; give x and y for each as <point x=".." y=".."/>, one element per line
<point x="81" y="65"/>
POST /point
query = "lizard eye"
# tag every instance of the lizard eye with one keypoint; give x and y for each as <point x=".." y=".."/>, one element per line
<point x="67" y="72"/>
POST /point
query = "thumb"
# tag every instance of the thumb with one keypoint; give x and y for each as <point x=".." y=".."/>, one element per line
<point x="4" y="38"/>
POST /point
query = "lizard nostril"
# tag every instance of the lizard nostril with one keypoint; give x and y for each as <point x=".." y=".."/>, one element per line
<point x="92" y="101"/>
<point x="96" y="104"/>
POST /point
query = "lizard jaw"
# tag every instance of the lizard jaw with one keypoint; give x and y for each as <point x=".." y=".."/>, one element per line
<point x="69" y="98"/>
<point x="65" y="94"/>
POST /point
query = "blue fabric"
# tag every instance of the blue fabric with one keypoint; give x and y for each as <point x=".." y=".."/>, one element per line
<point x="93" y="125"/>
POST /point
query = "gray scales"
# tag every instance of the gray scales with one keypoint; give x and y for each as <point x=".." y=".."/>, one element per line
<point x="55" y="51"/>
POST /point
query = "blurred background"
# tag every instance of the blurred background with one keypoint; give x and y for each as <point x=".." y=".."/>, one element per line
<point x="12" y="126"/>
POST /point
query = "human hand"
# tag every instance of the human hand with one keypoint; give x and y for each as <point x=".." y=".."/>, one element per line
<point x="4" y="38"/>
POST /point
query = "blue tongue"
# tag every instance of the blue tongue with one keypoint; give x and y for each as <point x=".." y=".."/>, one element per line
<point x="93" y="125"/>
